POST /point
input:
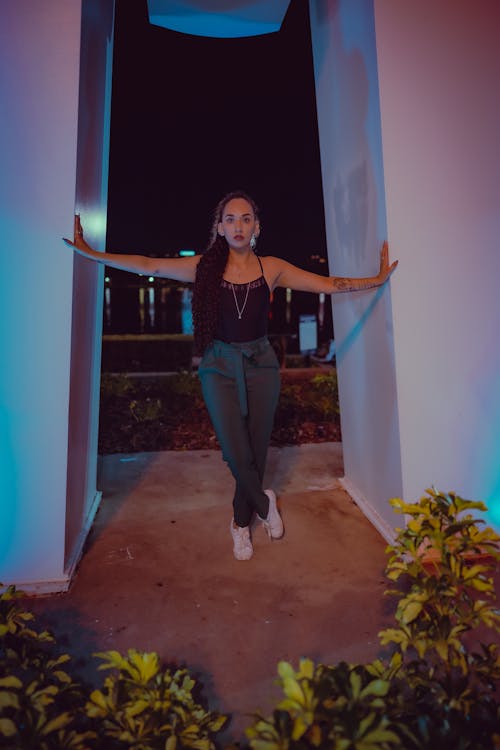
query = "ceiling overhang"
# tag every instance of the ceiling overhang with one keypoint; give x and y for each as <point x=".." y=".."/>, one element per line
<point x="219" y="18"/>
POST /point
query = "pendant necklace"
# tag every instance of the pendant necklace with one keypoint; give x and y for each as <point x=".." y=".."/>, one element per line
<point x="240" y="312"/>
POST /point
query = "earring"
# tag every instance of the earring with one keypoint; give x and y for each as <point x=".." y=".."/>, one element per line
<point x="253" y="242"/>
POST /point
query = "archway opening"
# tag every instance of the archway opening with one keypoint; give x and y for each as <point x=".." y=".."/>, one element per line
<point x="192" y="118"/>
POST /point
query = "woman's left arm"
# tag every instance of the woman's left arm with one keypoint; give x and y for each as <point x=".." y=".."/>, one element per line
<point x="287" y="275"/>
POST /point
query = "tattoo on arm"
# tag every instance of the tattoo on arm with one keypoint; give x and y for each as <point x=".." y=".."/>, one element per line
<point x="344" y="284"/>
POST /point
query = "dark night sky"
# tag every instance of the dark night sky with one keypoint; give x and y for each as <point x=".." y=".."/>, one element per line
<point x="193" y="118"/>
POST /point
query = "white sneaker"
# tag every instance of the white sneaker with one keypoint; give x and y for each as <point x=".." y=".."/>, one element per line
<point x="273" y="523"/>
<point x="242" y="544"/>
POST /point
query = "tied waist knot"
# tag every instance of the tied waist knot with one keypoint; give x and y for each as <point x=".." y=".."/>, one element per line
<point x="232" y="359"/>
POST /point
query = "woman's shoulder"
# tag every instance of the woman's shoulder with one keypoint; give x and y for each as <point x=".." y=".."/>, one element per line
<point x="273" y="264"/>
<point x="271" y="260"/>
<point x="272" y="267"/>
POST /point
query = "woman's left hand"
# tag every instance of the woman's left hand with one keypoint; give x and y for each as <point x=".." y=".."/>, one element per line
<point x="385" y="269"/>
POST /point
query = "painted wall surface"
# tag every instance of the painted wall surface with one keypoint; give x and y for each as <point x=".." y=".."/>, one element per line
<point x="343" y="36"/>
<point x="39" y="138"/>
<point x="439" y="72"/>
<point x="39" y="68"/>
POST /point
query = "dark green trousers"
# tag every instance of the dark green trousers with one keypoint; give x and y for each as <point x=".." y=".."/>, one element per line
<point x="241" y="384"/>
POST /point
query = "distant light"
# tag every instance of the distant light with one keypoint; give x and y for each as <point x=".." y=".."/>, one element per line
<point x="321" y="296"/>
<point x="288" y="295"/>
<point x="107" y="279"/>
<point x="151" y="279"/>
<point x="186" y="253"/>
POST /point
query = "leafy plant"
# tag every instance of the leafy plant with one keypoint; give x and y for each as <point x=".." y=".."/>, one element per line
<point x="433" y="690"/>
<point x="167" y="412"/>
<point x="337" y="707"/>
<point x="43" y="707"/>
<point x="144" y="707"/>
<point x="443" y="563"/>
<point x="39" y="700"/>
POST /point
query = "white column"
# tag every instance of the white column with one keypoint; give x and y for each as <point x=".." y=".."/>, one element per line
<point x="40" y="134"/>
<point x="345" y="62"/>
<point x="439" y="73"/>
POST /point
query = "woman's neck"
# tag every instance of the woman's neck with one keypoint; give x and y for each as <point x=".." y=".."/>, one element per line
<point x="240" y="259"/>
<point x="241" y="266"/>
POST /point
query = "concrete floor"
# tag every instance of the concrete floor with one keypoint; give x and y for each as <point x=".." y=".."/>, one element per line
<point x="158" y="574"/>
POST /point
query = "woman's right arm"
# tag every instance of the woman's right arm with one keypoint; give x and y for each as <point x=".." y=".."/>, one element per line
<point x="179" y="269"/>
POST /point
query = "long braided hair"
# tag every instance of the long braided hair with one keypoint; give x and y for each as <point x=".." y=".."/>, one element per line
<point x="209" y="272"/>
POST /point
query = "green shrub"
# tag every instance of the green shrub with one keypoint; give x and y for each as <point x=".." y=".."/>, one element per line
<point x="434" y="690"/>
<point x="167" y="412"/>
<point x="144" y="707"/>
<point x="39" y="701"/>
<point x="43" y="707"/>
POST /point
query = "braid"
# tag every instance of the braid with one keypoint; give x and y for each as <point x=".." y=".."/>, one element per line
<point x="206" y="293"/>
<point x="209" y="273"/>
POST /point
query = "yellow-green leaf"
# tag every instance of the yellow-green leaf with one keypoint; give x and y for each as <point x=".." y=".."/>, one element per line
<point x="376" y="687"/>
<point x="216" y="724"/>
<point x="300" y="726"/>
<point x="98" y="698"/>
<point x="136" y="708"/>
<point x="306" y="669"/>
<point x="442" y="649"/>
<point x="355" y="681"/>
<point x="62" y="676"/>
<point x="481" y="585"/>
<point x="285" y="670"/>
<point x="146" y="664"/>
<point x="7" y="728"/>
<point x="411" y="612"/>
<point x="292" y="690"/>
<point x="58" y="722"/>
<point x="11" y="682"/>
<point x="8" y="700"/>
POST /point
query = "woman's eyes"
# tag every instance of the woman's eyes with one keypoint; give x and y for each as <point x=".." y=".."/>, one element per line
<point x="230" y="219"/>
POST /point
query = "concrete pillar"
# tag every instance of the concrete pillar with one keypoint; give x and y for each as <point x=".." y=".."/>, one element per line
<point x="439" y="68"/>
<point x="414" y="83"/>
<point x="345" y="63"/>
<point x="53" y="148"/>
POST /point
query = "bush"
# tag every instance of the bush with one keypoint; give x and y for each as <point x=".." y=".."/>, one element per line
<point x="40" y="703"/>
<point x="168" y="412"/>
<point x="433" y="691"/>
<point x="42" y="707"/>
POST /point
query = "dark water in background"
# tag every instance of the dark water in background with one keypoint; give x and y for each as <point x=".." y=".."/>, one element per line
<point x="161" y="308"/>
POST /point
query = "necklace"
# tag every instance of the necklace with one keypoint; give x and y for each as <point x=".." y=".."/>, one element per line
<point x="240" y="312"/>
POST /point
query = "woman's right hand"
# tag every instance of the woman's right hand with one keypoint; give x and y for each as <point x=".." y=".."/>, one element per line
<point x="78" y="243"/>
<point x="179" y="269"/>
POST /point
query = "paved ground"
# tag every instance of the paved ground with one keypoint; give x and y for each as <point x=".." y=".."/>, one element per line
<point x="158" y="574"/>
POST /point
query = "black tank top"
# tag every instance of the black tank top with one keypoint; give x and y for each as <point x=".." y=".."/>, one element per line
<point x="243" y="310"/>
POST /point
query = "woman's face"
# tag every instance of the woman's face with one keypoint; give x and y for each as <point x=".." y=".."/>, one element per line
<point x="238" y="223"/>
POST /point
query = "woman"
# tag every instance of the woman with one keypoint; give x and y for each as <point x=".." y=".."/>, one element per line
<point x="239" y="371"/>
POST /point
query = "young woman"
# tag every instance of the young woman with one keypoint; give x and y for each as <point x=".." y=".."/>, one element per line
<point x="239" y="371"/>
